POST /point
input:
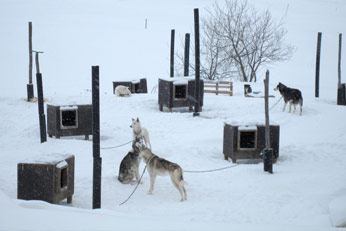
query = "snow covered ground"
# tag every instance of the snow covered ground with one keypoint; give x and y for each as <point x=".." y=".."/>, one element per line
<point x="307" y="190"/>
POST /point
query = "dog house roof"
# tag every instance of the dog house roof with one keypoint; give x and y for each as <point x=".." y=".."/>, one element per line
<point x="48" y="159"/>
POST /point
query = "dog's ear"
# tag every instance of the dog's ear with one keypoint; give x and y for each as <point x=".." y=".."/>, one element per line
<point x="137" y="119"/>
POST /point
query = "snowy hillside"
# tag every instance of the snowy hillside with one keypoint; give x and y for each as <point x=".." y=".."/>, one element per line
<point x="307" y="190"/>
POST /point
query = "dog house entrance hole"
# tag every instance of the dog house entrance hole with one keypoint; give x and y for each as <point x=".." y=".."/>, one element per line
<point x="180" y="91"/>
<point x="69" y="117"/>
<point x="137" y="88"/>
<point x="63" y="177"/>
<point x="247" y="139"/>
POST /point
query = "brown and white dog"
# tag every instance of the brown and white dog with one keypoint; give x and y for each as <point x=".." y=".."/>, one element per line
<point x="291" y="96"/>
<point x="160" y="167"/>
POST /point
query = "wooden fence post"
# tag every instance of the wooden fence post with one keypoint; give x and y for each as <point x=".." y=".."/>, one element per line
<point x="42" y="117"/>
<point x="318" y="58"/>
<point x="172" y="54"/>
<point x="187" y="55"/>
<point x="197" y="63"/>
<point x="268" y="151"/>
<point x="97" y="165"/>
<point x="30" y="86"/>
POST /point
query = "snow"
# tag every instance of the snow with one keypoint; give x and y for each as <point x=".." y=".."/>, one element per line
<point x="307" y="190"/>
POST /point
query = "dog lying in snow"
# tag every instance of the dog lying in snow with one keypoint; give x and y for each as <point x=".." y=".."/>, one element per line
<point x="139" y="132"/>
<point x="122" y="91"/>
<point x="160" y="167"/>
<point x="291" y="96"/>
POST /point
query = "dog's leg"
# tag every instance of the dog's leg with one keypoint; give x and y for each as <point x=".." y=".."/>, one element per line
<point x="294" y="108"/>
<point x="301" y="108"/>
<point x="152" y="182"/>
<point x="175" y="177"/>
<point x="289" y="106"/>
<point x="284" y="106"/>
<point x="137" y="175"/>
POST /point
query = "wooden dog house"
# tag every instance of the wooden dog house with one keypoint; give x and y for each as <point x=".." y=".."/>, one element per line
<point x="135" y="86"/>
<point x="179" y="92"/>
<point x="69" y="120"/>
<point x="247" y="142"/>
<point x="50" y="179"/>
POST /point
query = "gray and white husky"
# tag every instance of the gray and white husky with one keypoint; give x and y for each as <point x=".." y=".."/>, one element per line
<point x="160" y="167"/>
<point x="129" y="166"/>
<point x="139" y="132"/>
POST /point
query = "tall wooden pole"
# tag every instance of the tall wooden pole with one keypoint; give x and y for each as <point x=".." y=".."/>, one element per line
<point x="266" y="107"/>
<point x="268" y="151"/>
<point x="187" y="55"/>
<point x="42" y="117"/>
<point x="318" y="58"/>
<point x="97" y="165"/>
<point x="197" y="63"/>
<point x="30" y="86"/>
<point x="339" y="61"/>
<point x="172" y="54"/>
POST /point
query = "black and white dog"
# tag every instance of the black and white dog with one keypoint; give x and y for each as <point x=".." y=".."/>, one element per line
<point x="291" y="96"/>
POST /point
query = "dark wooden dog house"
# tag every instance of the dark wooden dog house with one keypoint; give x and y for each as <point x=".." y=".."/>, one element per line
<point x="51" y="180"/>
<point x="179" y="92"/>
<point x="247" y="142"/>
<point x="135" y="86"/>
<point x="341" y="94"/>
<point x="69" y="120"/>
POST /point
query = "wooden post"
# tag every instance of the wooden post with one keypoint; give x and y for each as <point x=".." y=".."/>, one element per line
<point x="268" y="152"/>
<point x="97" y="165"/>
<point x="197" y="63"/>
<point x="172" y="54"/>
<point x="42" y="117"/>
<point x="187" y="55"/>
<point x="318" y="58"/>
<point x="30" y="86"/>
<point x="339" y="61"/>
<point x="37" y="63"/>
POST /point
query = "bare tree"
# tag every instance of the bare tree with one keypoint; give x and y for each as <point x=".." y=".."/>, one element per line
<point x="237" y="41"/>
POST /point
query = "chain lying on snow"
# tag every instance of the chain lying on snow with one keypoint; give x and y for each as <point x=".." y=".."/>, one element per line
<point x="212" y="170"/>
<point x="140" y="179"/>
<point x="275" y="104"/>
<point x="117" y="145"/>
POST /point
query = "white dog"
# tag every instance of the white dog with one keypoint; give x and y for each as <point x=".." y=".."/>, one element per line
<point x="122" y="91"/>
<point x="140" y="132"/>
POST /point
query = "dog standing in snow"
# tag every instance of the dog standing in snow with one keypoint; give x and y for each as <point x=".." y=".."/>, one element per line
<point x="291" y="96"/>
<point x="140" y="132"/>
<point x="160" y="167"/>
<point x="122" y="91"/>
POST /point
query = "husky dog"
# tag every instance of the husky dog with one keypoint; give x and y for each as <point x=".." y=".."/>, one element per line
<point x="140" y="132"/>
<point x="291" y="96"/>
<point x="129" y="165"/>
<point x="160" y="167"/>
<point x="122" y="91"/>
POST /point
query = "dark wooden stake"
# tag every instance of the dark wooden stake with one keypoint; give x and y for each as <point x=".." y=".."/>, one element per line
<point x="42" y="117"/>
<point x="197" y="63"/>
<point x="339" y="60"/>
<point x="267" y="152"/>
<point x="97" y="166"/>
<point x="172" y="54"/>
<point x="30" y="86"/>
<point x="318" y="58"/>
<point x="187" y="55"/>
<point x="37" y="62"/>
